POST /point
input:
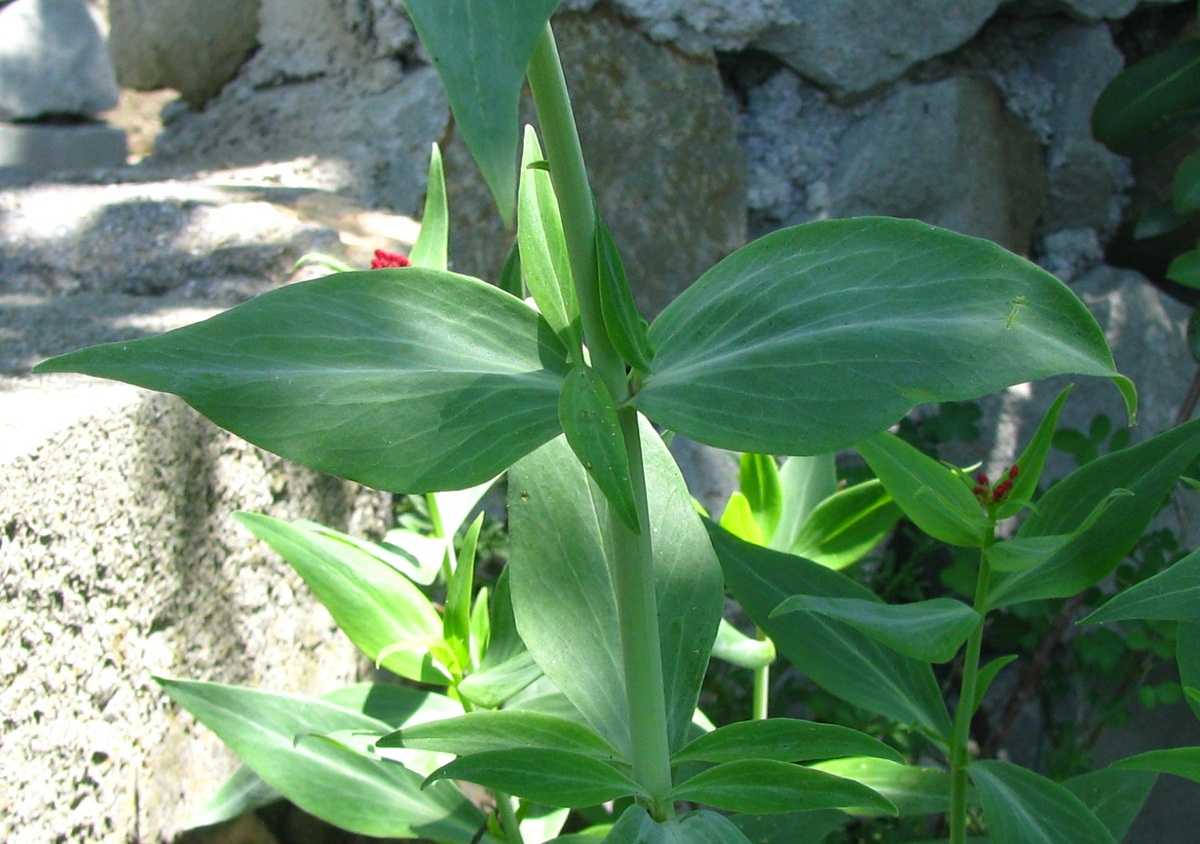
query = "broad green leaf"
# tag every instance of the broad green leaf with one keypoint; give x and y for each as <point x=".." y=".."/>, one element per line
<point x="551" y="777"/>
<point x="759" y="482"/>
<point x="1171" y="595"/>
<point x="1180" y="761"/>
<point x="493" y="686"/>
<point x="376" y="376"/>
<point x="1186" y="187"/>
<point x="626" y="326"/>
<point x="417" y="557"/>
<point x="840" y="659"/>
<point x="544" y="248"/>
<point x="739" y="519"/>
<point x="983" y="680"/>
<point x="431" y="251"/>
<point x="1152" y="103"/>
<point x="374" y="605"/>
<point x="790" y="828"/>
<point x="1159" y="220"/>
<point x="741" y="650"/>
<point x="784" y="740"/>
<point x="465" y="37"/>
<point x="764" y="786"/>
<point x="346" y="789"/>
<point x="930" y="631"/>
<point x="934" y="497"/>
<point x="1025" y="552"/>
<point x="1022" y="807"/>
<point x="1032" y="460"/>
<point x="912" y="789"/>
<point x="1149" y="471"/>
<point x="847" y="525"/>
<point x="635" y="826"/>
<point x="478" y="732"/>
<point x="1114" y="796"/>
<point x="456" y="618"/>
<point x="564" y="601"/>
<point x="831" y="331"/>
<point x="589" y="419"/>
<point x="806" y="482"/>
<point x="1185" y="269"/>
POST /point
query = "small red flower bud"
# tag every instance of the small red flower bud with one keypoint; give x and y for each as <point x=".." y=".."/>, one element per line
<point x="1014" y="471"/>
<point x="1001" y="490"/>
<point x="978" y="491"/>
<point x="384" y="259"/>
<point x="982" y="478"/>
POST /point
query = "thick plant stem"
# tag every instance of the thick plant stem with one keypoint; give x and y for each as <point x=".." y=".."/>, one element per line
<point x="762" y="690"/>
<point x="633" y="572"/>
<point x="960" y="755"/>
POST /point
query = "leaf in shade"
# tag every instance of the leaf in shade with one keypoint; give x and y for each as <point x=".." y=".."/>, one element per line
<point x="1152" y="103"/>
<point x="912" y="789"/>
<point x="987" y="674"/>
<point x="477" y="732"/>
<point x="376" y="376"/>
<point x="1170" y="595"/>
<point x="1114" y="796"/>
<point x="764" y="786"/>
<point x="1180" y="761"/>
<point x="1032" y="460"/>
<point x="551" y="777"/>
<point x="806" y="482"/>
<point x="784" y="740"/>
<point x="1022" y="807"/>
<point x="635" y="826"/>
<point x="847" y="525"/>
<point x="626" y="326"/>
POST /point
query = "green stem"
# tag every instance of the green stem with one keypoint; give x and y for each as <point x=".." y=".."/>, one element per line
<point x="960" y="756"/>
<point x="512" y="829"/>
<point x="633" y="571"/>
<point x="762" y="689"/>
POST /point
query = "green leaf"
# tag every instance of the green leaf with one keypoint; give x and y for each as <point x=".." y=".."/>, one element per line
<point x="589" y="418"/>
<point x="912" y="789"/>
<point x="1032" y="460"/>
<point x="544" y="249"/>
<point x="373" y="604"/>
<point x="847" y="525"/>
<point x="983" y="680"/>
<point x="512" y="280"/>
<point x="479" y="732"/>
<point x="451" y="508"/>
<point x="414" y="555"/>
<point x="346" y="789"/>
<point x="375" y="376"/>
<point x="759" y="482"/>
<point x="463" y="37"/>
<point x="1149" y="471"/>
<point x="739" y="519"/>
<point x="784" y="740"/>
<point x="741" y="650"/>
<point x="1021" y="553"/>
<point x="764" y="786"/>
<point x="626" y="326"/>
<point x="1022" y="807"/>
<point x="431" y="251"/>
<point x="1151" y="103"/>
<point x="862" y="320"/>
<point x="335" y="264"/>
<point x="1185" y="269"/>
<point x="790" y="828"/>
<point x="930" y="631"/>
<point x="1159" y="220"/>
<point x="934" y="497"/>
<point x="456" y="620"/>
<point x="1187" y="656"/>
<point x="244" y="791"/>
<point x="550" y="777"/>
<point x="635" y="826"/>
<point x="1170" y="595"/>
<point x="806" y="482"/>
<point x="564" y="598"/>
<point x="492" y="686"/>
<point x="1180" y="761"/>
<point x="1114" y="796"/>
<point x="1186" y="187"/>
<point x="838" y="658"/>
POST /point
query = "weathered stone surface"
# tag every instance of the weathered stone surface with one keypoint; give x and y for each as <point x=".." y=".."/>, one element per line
<point x="381" y="26"/>
<point x="34" y="149"/>
<point x="698" y="25"/>
<point x="53" y="61"/>
<point x="1089" y="11"/>
<point x="852" y="46"/>
<point x="192" y="46"/>
<point x="661" y="146"/>
<point x="948" y="153"/>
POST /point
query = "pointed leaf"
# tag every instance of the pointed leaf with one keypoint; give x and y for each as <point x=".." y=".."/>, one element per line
<point x="374" y="376"/>
<point x="784" y="740"/>
<point x="478" y="732"/>
<point x="862" y="319"/>
<point x="1185" y="269"/>
<point x="1149" y="471"/>
<point x="1180" y="761"/>
<point x="463" y="38"/>
<point x="626" y="326"/>
<point x="840" y="659"/>
<point x="1171" y="595"/>
<point x="416" y="557"/>
<point x="493" y="686"/>
<point x="456" y="619"/>
<point x="1114" y="796"/>
<point x="930" y="631"/>
<point x="373" y="604"/>
<point x="1187" y="655"/>
<point x="741" y="650"/>
<point x="431" y="250"/>
<point x="739" y="520"/>
<point x="759" y="482"/>
<point x="1152" y="103"/>
<point x="806" y="482"/>
<point x="1159" y="220"/>
<point x="1022" y="807"/>
<point x="764" y="786"/>
<point x="1032" y="460"/>
<point x="589" y="419"/>
<point x="913" y="789"/>
<point x="934" y="497"/>
<point x="847" y="525"/>
<point x="550" y="777"/>
<point x="368" y="797"/>
<point x="1186" y="186"/>
<point x="983" y="680"/>
<point x="635" y="826"/>
<point x="790" y="828"/>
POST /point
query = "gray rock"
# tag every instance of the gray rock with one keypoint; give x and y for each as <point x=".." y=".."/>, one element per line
<point x="34" y="149"/>
<point x="698" y="25"/>
<point x="1089" y="11"/>
<point x="948" y="153"/>
<point x="853" y="46"/>
<point x="382" y="27"/>
<point x="192" y="46"/>
<point x="53" y="61"/>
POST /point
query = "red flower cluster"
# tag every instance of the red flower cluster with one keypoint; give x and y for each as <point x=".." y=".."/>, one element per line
<point x="385" y="259"/>
<point x="988" y="494"/>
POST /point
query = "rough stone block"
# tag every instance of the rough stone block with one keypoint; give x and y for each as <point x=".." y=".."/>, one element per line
<point x="53" y="61"/>
<point x="35" y="149"/>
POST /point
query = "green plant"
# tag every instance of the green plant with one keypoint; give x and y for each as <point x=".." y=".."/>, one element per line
<point x="575" y="683"/>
